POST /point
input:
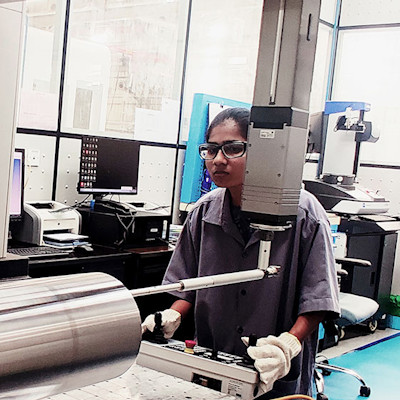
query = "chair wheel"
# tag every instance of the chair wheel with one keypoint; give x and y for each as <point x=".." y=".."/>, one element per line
<point x="372" y="325"/>
<point x="342" y="333"/>
<point x="365" y="391"/>
<point x="321" y="396"/>
<point x="324" y="372"/>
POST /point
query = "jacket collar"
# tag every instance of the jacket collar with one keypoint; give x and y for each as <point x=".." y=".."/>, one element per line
<point x="219" y="213"/>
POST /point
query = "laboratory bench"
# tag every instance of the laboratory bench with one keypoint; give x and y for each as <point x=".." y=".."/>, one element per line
<point x="101" y="259"/>
<point x="135" y="267"/>
<point x="142" y="383"/>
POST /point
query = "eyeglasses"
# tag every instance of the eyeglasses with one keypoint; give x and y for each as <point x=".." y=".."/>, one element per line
<point x="234" y="149"/>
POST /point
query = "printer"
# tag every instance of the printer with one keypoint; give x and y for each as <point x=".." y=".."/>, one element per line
<point x="46" y="217"/>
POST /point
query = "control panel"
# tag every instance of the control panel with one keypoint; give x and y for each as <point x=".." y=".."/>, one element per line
<point x="216" y="370"/>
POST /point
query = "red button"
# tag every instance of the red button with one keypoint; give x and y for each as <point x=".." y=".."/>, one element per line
<point x="190" y="343"/>
<point x="189" y="346"/>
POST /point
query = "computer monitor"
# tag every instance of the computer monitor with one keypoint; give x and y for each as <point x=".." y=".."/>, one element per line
<point x="108" y="166"/>
<point x="17" y="186"/>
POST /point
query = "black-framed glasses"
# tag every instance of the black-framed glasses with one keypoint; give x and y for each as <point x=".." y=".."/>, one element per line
<point x="234" y="149"/>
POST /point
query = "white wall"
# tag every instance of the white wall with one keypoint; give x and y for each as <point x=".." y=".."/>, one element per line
<point x="155" y="181"/>
<point x="38" y="170"/>
<point x="10" y="36"/>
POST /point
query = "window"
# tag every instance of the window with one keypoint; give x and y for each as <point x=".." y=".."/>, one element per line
<point x="369" y="12"/>
<point x="42" y="55"/>
<point x="124" y="68"/>
<point x="222" y="53"/>
<point x="367" y="69"/>
<point x="328" y="10"/>
<point x="321" y="69"/>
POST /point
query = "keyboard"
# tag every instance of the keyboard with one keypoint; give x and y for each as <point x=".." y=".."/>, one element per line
<point x="39" y="252"/>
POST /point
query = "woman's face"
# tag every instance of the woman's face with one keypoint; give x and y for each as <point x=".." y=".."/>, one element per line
<point x="226" y="172"/>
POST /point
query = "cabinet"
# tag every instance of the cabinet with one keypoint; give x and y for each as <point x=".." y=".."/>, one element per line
<point x="371" y="238"/>
<point x="147" y="269"/>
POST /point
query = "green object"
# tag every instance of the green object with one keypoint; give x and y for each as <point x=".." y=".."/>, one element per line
<point x="394" y="305"/>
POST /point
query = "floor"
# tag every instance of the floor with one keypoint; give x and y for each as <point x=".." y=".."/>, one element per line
<point x="346" y="345"/>
<point x="375" y="360"/>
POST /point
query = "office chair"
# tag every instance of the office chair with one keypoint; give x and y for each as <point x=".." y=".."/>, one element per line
<point x="354" y="310"/>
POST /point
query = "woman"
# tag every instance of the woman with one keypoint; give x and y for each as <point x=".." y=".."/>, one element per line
<point x="283" y="312"/>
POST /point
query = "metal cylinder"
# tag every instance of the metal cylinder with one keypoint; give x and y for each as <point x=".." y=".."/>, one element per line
<point x="62" y="333"/>
<point x="203" y="282"/>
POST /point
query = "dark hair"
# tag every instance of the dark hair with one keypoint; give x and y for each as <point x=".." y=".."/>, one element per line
<point x="240" y="115"/>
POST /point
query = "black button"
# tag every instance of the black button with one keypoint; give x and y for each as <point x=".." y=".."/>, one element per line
<point x="239" y="329"/>
<point x="243" y="292"/>
<point x="245" y="254"/>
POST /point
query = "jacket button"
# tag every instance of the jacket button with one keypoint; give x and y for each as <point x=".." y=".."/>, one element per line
<point x="243" y="292"/>
<point x="239" y="329"/>
<point x="245" y="254"/>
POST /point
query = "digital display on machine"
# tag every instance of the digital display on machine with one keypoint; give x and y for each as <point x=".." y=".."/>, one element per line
<point x="17" y="185"/>
<point x="108" y="166"/>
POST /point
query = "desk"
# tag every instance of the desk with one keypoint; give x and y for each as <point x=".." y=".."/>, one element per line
<point x="148" y="267"/>
<point x="134" y="267"/>
<point x="110" y="261"/>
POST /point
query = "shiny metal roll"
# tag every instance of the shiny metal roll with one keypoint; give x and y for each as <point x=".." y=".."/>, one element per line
<point x="62" y="333"/>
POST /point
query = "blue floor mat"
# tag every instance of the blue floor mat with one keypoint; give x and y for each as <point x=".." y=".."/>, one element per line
<point x="377" y="363"/>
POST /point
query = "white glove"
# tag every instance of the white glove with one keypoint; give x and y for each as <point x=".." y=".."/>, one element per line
<point x="273" y="357"/>
<point x="170" y="321"/>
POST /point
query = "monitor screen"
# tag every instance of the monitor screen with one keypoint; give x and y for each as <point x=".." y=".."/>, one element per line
<point x="108" y="166"/>
<point x="17" y="186"/>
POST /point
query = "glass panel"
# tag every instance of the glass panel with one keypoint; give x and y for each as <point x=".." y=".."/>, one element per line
<point x="321" y="69"/>
<point x="42" y="54"/>
<point x="124" y="68"/>
<point x="222" y="53"/>
<point x="368" y="65"/>
<point x="328" y="10"/>
<point x="367" y="12"/>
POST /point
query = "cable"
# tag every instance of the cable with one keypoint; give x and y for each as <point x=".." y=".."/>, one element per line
<point x="155" y="207"/>
<point x="66" y="208"/>
<point x="126" y="227"/>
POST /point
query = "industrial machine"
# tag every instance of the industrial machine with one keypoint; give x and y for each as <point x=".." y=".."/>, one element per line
<point x="220" y="371"/>
<point x="370" y="234"/>
<point x="59" y="333"/>
<point x="277" y="139"/>
<point x="341" y="132"/>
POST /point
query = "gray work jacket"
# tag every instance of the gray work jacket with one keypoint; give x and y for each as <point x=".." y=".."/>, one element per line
<point x="210" y="243"/>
